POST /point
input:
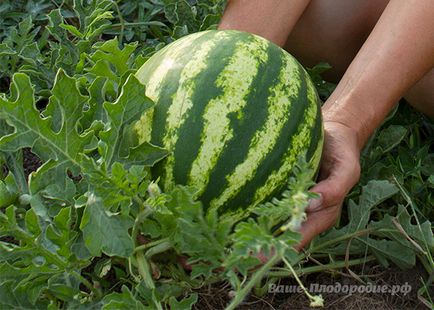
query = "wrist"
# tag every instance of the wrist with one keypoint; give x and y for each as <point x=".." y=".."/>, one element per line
<point x="347" y="133"/>
<point x="359" y="122"/>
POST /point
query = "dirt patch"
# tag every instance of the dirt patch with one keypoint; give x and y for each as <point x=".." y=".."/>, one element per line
<point x="4" y="84"/>
<point x="31" y="162"/>
<point x="217" y="297"/>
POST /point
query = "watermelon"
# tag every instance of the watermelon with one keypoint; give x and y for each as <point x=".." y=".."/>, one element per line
<point x="235" y="111"/>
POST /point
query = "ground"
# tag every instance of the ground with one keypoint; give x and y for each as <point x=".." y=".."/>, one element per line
<point x="216" y="296"/>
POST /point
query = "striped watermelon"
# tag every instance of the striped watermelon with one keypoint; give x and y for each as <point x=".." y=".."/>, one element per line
<point x="236" y="111"/>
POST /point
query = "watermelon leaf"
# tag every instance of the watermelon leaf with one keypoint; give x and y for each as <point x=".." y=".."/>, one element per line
<point x="52" y="135"/>
<point x="119" y="142"/>
<point x="123" y="300"/>
<point x="104" y="232"/>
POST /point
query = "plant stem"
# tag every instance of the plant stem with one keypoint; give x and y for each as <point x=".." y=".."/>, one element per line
<point x="159" y="248"/>
<point x="313" y="269"/>
<point x="256" y="277"/>
<point x="309" y="295"/>
<point x="150" y="244"/>
<point x="337" y="240"/>
<point x="15" y="164"/>
<point x="132" y="24"/>
<point x="139" y="219"/>
<point x="122" y="22"/>
<point x="46" y="253"/>
<point x="414" y="208"/>
<point x="144" y="270"/>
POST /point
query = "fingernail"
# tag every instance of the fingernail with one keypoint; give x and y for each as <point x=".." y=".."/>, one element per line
<point x="314" y="204"/>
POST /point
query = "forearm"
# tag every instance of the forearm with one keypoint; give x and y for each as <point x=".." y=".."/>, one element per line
<point x="271" y="19"/>
<point x="399" y="51"/>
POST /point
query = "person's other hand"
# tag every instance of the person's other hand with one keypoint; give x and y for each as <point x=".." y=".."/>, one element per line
<point x="339" y="172"/>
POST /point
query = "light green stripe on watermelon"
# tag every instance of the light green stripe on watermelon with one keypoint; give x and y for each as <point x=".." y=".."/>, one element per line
<point x="235" y="81"/>
<point x="265" y="139"/>
<point x="312" y="96"/>
<point x="155" y="80"/>
<point x="143" y="126"/>
<point x="316" y="157"/>
<point x="160" y="68"/>
<point x="182" y="103"/>
<point x="298" y="147"/>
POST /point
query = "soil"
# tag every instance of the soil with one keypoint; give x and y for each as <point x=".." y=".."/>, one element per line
<point x="4" y="84"/>
<point x="217" y="297"/>
<point x="31" y="162"/>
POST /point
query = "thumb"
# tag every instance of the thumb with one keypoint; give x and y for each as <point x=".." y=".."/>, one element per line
<point x="332" y="190"/>
<point x="316" y="223"/>
<point x="330" y="193"/>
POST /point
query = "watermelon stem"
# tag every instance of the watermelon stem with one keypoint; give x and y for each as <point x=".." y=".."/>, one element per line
<point x="160" y="248"/>
<point x="315" y="301"/>
<point x="320" y="268"/>
<point x="151" y="244"/>
<point x="256" y="278"/>
<point x="145" y="272"/>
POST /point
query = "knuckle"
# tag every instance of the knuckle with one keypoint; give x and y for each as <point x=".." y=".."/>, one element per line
<point x="336" y="194"/>
<point x="357" y="170"/>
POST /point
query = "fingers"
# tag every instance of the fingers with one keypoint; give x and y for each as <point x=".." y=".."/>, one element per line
<point x="340" y="171"/>
<point x="323" y="211"/>
<point x="316" y="223"/>
<point x="333" y="189"/>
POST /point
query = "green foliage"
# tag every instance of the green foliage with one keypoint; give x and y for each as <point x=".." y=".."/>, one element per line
<point x="53" y="135"/>
<point x="323" y="88"/>
<point x="96" y="224"/>
<point x="91" y="229"/>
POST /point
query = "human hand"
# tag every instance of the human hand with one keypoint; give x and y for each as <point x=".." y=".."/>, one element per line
<point x="339" y="172"/>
